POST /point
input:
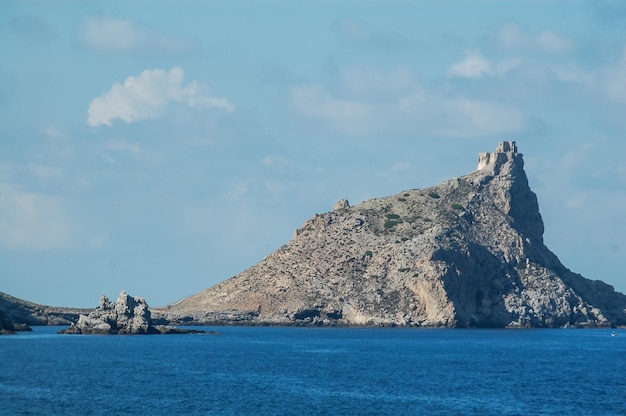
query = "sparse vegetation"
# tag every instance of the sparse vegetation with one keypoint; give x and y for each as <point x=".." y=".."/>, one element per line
<point x="457" y="207"/>
<point x="404" y="270"/>
<point x="402" y="199"/>
<point x="427" y="220"/>
<point x="392" y="223"/>
<point x="434" y="195"/>
<point x="406" y="195"/>
<point x="368" y="253"/>
<point x="392" y="216"/>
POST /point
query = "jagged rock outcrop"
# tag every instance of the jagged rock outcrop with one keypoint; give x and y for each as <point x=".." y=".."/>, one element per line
<point x="128" y="315"/>
<point x="18" y="315"/>
<point x="466" y="252"/>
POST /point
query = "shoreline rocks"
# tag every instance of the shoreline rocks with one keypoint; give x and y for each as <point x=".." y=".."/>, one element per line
<point x="127" y="316"/>
<point x="9" y="327"/>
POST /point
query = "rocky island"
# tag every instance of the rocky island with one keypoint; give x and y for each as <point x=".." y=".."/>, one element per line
<point x="468" y="252"/>
<point x="128" y="315"/>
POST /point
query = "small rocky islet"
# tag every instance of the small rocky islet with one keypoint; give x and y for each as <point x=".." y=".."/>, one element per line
<point x="127" y="316"/>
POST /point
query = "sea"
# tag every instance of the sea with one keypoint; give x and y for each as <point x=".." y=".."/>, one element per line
<point x="316" y="371"/>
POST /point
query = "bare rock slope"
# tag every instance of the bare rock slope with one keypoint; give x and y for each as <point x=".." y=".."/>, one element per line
<point x="18" y="315"/>
<point x="466" y="252"/>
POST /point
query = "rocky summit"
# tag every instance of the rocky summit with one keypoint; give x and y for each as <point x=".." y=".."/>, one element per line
<point x="128" y="315"/>
<point x="468" y="252"/>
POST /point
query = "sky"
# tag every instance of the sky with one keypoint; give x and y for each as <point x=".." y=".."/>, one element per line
<point x="160" y="147"/>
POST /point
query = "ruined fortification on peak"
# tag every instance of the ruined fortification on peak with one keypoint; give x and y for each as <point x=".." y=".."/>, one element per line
<point x="506" y="150"/>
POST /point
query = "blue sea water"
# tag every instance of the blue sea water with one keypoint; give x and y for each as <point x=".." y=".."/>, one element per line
<point x="316" y="371"/>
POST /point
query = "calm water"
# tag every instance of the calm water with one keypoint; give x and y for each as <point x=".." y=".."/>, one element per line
<point x="304" y="371"/>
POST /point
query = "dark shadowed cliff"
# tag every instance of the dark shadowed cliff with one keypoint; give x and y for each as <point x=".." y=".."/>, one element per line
<point x="466" y="252"/>
<point x="17" y="314"/>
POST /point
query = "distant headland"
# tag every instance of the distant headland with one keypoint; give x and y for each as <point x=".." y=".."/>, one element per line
<point x="468" y="252"/>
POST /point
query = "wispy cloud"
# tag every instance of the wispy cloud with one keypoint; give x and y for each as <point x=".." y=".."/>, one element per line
<point x="274" y="160"/>
<point x="475" y="65"/>
<point x="344" y="114"/>
<point x="616" y="80"/>
<point x="31" y="221"/>
<point x="146" y="95"/>
<point x="458" y="117"/>
<point x="360" y="32"/>
<point x="512" y="37"/>
<point x="354" y="109"/>
<point x="574" y="74"/>
<point x="124" y="146"/>
<point x="111" y="35"/>
<point x="43" y="172"/>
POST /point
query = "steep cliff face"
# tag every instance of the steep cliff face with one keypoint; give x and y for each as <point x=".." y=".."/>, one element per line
<point x="467" y="252"/>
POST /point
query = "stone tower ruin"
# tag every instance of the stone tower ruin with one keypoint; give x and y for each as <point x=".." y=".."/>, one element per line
<point x="506" y="150"/>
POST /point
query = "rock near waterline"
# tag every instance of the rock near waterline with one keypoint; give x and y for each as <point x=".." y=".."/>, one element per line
<point x="128" y="315"/>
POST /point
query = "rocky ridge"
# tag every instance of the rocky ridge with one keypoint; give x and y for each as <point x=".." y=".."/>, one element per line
<point x="466" y="252"/>
<point x="127" y="315"/>
<point x="18" y="315"/>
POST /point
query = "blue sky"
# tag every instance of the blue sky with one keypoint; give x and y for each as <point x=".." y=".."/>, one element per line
<point x="161" y="147"/>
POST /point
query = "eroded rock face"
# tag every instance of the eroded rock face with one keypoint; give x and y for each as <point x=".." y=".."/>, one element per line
<point x="128" y="315"/>
<point x="466" y="252"/>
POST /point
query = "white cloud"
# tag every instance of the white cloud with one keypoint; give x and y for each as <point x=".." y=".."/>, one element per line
<point x="576" y="156"/>
<point x="145" y="97"/>
<point x="31" y="221"/>
<point x="461" y="117"/>
<point x="123" y="145"/>
<point x="53" y="133"/>
<point x="353" y="109"/>
<point x="577" y="200"/>
<point x="344" y="114"/>
<point x="488" y="117"/>
<point x="572" y="73"/>
<point x="110" y="35"/>
<point x="551" y="41"/>
<point x="511" y="36"/>
<point x="273" y="160"/>
<point x="475" y="65"/>
<point x="400" y="167"/>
